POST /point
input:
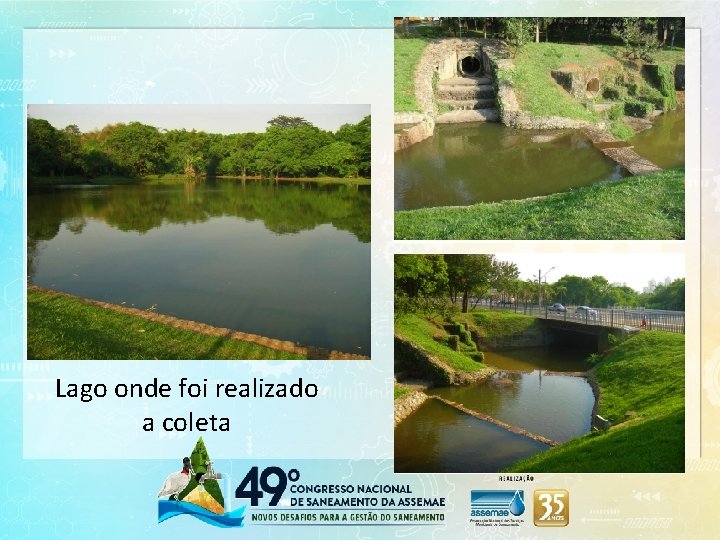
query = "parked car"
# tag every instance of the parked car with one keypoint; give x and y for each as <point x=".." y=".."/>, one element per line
<point x="585" y="311"/>
<point x="557" y="307"/>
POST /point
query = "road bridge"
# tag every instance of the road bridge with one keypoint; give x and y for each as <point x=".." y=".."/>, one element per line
<point x="598" y="323"/>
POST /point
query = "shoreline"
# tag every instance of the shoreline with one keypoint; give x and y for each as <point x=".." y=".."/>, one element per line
<point x="179" y="179"/>
<point x="310" y="352"/>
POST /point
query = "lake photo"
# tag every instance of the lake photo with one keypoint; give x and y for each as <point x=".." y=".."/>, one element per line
<point x="176" y="243"/>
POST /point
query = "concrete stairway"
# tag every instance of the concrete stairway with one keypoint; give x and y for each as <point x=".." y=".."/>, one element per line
<point x="473" y="95"/>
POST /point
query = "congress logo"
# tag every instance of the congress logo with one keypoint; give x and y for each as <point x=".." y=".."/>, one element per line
<point x="195" y="491"/>
<point x="497" y="503"/>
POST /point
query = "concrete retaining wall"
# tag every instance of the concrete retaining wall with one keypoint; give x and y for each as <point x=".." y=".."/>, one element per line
<point x="413" y="362"/>
<point x="532" y="337"/>
<point x="404" y="406"/>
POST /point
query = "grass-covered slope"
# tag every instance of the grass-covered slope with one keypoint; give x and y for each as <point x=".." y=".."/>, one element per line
<point x="537" y="91"/>
<point x="420" y="331"/>
<point x="407" y="55"/>
<point x="63" y="327"/>
<point x="649" y="207"/>
<point x="642" y="391"/>
<point x="496" y="324"/>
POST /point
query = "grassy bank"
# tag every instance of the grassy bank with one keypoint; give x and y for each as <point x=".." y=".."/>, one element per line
<point x="642" y="391"/>
<point x="431" y="338"/>
<point x="62" y="327"/>
<point x="400" y="391"/>
<point x="497" y="324"/>
<point x="407" y="55"/>
<point x="649" y="207"/>
<point x="537" y="91"/>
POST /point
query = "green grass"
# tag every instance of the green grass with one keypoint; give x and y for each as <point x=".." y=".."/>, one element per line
<point x="598" y="212"/>
<point x="495" y="324"/>
<point x="420" y="331"/>
<point x="407" y="55"/>
<point x="538" y="92"/>
<point x="675" y="55"/>
<point x="400" y="391"/>
<point x="643" y="375"/>
<point x="621" y="130"/>
<point x="62" y="327"/>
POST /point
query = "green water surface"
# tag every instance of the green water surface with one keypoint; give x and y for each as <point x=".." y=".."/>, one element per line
<point x="290" y="262"/>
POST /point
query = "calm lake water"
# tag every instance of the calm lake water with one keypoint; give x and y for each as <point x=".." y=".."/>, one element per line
<point x="528" y="391"/>
<point x="285" y="261"/>
<point x="486" y="162"/>
<point x="664" y="143"/>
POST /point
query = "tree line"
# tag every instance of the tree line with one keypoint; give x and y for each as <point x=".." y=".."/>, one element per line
<point x="289" y="147"/>
<point x="438" y="282"/>
<point x="667" y="31"/>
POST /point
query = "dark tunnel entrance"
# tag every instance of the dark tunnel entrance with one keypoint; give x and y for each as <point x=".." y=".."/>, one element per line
<point x="568" y="339"/>
<point x="470" y="66"/>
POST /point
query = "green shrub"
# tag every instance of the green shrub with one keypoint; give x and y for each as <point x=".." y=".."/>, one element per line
<point x="460" y="330"/>
<point x="453" y="342"/>
<point x="611" y="92"/>
<point x="478" y="356"/>
<point x="665" y="103"/>
<point x="638" y="108"/>
<point x="662" y="77"/>
<point x="621" y="130"/>
<point x="616" y="112"/>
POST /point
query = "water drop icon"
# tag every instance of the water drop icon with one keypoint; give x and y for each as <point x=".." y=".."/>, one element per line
<point x="517" y="506"/>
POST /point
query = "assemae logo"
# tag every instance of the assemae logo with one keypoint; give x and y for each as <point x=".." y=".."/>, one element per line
<point x="195" y="491"/>
<point x="497" y="503"/>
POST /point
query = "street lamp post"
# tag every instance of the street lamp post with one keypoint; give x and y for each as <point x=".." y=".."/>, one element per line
<point x="540" y="278"/>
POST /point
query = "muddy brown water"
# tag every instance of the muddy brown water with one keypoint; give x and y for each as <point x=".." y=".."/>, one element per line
<point x="523" y="393"/>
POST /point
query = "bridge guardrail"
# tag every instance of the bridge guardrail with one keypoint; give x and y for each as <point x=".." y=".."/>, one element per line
<point x="646" y="319"/>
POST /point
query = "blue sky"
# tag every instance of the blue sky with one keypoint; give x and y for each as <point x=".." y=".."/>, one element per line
<point x="208" y="118"/>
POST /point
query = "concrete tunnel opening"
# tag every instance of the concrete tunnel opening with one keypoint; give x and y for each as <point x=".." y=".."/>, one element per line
<point x="470" y="66"/>
<point x="592" y="87"/>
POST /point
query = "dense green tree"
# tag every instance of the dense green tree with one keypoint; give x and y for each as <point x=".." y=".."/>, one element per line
<point x="137" y="148"/>
<point x="671" y="297"/>
<point x="44" y="143"/>
<point x="358" y="135"/>
<point x="420" y="284"/>
<point x="518" y="31"/>
<point x="469" y="275"/>
<point x="70" y="150"/>
<point x="595" y="291"/>
<point x="640" y="41"/>
<point x="505" y="278"/>
<point x="289" y="150"/>
<point x="283" y="121"/>
<point x="420" y="275"/>
<point x="241" y="155"/>
<point x="291" y="146"/>
<point x="336" y="159"/>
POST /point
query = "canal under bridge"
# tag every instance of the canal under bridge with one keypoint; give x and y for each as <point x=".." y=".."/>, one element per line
<point x="583" y="324"/>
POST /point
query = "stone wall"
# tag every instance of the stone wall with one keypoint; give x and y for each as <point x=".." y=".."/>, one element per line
<point x="406" y="405"/>
<point x="419" y="132"/>
<point x="441" y="57"/>
<point x="532" y="337"/>
<point x="510" y="112"/>
<point x="680" y="77"/>
<point x="413" y="362"/>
